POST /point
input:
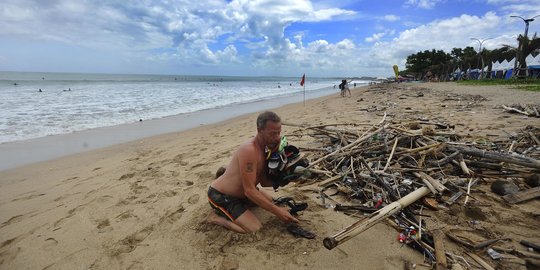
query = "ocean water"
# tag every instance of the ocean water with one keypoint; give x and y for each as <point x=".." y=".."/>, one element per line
<point x="72" y="102"/>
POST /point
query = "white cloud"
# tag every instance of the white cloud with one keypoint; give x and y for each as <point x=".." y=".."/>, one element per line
<point x="377" y="36"/>
<point x="247" y="33"/>
<point x="425" y="4"/>
<point x="391" y="18"/>
<point x="443" y="35"/>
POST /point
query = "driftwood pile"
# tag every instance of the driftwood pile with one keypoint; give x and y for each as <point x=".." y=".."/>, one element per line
<point x="532" y="110"/>
<point x="394" y="171"/>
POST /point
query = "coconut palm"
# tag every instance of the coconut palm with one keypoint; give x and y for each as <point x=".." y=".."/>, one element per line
<point x="527" y="46"/>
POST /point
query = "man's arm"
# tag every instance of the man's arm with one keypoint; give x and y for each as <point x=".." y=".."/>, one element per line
<point x="248" y="171"/>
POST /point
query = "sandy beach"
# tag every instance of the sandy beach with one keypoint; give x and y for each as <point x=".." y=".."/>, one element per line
<point x="142" y="204"/>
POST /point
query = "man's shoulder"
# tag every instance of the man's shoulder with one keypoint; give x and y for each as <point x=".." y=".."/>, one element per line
<point x="248" y="147"/>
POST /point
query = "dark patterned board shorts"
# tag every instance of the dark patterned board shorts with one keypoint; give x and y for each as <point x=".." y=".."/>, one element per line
<point x="226" y="206"/>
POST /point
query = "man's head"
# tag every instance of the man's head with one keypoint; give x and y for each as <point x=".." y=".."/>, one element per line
<point x="269" y="129"/>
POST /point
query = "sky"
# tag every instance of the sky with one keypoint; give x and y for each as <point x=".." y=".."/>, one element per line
<point x="248" y="37"/>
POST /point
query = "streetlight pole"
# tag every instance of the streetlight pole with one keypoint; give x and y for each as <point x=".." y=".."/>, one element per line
<point x="520" y="51"/>
<point x="480" y="53"/>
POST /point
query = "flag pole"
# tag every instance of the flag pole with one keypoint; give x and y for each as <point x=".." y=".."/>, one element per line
<point x="303" y="84"/>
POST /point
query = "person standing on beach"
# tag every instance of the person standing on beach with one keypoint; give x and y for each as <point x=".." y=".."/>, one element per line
<point x="346" y="89"/>
<point x="232" y="192"/>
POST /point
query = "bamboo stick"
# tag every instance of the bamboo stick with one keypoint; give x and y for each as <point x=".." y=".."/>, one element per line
<point x="362" y="225"/>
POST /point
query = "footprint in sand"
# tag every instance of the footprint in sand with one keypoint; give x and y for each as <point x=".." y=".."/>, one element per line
<point x="8" y="242"/>
<point x="50" y="243"/>
<point x="197" y="165"/>
<point x="28" y="197"/>
<point x="130" y="243"/>
<point x="193" y="199"/>
<point x="174" y="216"/>
<point x="126" y="215"/>
<point x="135" y="266"/>
<point x="103" y="225"/>
<point x="126" y="176"/>
<point x="230" y="262"/>
<point x="13" y="219"/>
<point x="205" y="175"/>
<point x="169" y="193"/>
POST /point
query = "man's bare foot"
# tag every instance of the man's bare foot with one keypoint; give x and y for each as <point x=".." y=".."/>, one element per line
<point x="213" y="218"/>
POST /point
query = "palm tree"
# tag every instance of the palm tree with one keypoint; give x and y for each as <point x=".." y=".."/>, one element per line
<point x="527" y="46"/>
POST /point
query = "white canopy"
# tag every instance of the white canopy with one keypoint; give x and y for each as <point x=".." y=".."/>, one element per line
<point x="533" y="61"/>
<point x="495" y="66"/>
<point x="504" y="65"/>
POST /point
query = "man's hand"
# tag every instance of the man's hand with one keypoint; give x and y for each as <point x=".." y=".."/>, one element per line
<point x="285" y="216"/>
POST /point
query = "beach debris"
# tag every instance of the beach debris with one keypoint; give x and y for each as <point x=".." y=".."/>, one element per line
<point x="503" y="187"/>
<point x="525" y="109"/>
<point x="391" y="170"/>
<point x="522" y="196"/>
<point x="298" y="231"/>
<point x="533" y="180"/>
<point x="532" y="245"/>
<point x="440" y="253"/>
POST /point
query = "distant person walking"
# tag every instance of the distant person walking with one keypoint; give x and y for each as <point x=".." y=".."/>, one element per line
<point x="346" y="89"/>
<point x="342" y="87"/>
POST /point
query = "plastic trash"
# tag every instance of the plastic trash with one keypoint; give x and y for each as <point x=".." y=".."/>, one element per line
<point x="494" y="254"/>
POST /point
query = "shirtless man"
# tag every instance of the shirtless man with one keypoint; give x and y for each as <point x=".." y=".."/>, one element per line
<point x="231" y="192"/>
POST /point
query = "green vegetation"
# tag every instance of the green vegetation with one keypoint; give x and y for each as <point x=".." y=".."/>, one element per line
<point x="523" y="84"/>
<point x="441" y="65"/>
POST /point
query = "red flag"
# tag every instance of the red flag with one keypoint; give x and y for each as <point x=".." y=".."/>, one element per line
<point x="303" y="80"/>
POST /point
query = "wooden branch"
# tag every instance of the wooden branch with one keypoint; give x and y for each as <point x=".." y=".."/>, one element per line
<point x="408" y="151"/>
<point x="358" y="141"/>
<point x="530" y="244"/>
<point x="509" y="158"/>
<point x="517" y="252"/>
<point x="391" y="155"/>
<point x="362" y="225"/>
<point x="468" y="191"/>
<point x="515" y="110"/>
<point x="447" y="159"/>
<point x="534" y="138"/>
<point x="463" y="166"/>
<point x="435" y="185"/>
<point x="330" y="181"/>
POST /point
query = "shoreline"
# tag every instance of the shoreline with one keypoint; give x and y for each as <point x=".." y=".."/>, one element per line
<point x="19" y="153"/>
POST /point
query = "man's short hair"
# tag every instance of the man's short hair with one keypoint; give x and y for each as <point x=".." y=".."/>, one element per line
<point x="264" y="117"/>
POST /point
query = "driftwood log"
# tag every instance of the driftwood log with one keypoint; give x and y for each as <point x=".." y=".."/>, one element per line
<point x="514" y="159"/>
<point x="362" y="225"/>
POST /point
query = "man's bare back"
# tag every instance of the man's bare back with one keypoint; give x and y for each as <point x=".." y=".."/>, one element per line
<point x="230" y="182"/>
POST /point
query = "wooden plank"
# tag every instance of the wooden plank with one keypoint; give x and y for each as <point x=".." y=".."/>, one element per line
<point x="522" y="196"/>
<point x="480" y="261"/>
<point x="440" y="253"/>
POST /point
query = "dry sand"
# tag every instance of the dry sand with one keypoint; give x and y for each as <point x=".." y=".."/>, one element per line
<point x="140" y="205"/>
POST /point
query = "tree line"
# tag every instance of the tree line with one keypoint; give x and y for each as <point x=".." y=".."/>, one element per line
<point x="441" y="65"/>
